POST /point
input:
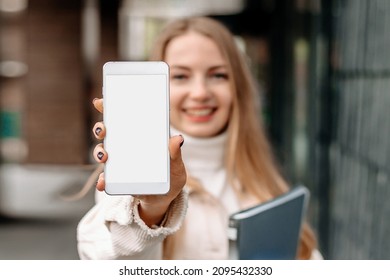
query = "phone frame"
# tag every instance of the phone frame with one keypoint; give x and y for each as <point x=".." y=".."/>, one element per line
<point x="138" y="68"/>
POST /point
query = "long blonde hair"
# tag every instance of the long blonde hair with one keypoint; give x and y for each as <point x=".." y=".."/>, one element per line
<point x="249" y="158"/>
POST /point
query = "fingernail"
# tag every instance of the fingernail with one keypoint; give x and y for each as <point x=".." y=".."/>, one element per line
<point x="182" y="140"/>
<point x="98" y="130"/>
<point x="100" y="155"/>
<point x="93" y="101"/>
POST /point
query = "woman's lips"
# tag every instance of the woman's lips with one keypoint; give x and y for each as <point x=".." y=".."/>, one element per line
<point x="199" y="114"/>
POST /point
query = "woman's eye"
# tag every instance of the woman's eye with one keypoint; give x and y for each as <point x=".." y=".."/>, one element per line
<point x="178" y="77"/>
<point x="223" y="76"/>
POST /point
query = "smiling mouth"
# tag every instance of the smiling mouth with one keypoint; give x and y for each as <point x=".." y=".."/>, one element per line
<point x="200" y="112"/>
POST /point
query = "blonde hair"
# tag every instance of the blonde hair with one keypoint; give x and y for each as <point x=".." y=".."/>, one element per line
<point x="249" y="158"/>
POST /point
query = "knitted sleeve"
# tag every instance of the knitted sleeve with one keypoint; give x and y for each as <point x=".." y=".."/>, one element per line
<point x="112" y="229"/>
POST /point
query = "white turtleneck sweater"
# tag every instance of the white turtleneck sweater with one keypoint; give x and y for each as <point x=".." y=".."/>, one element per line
<point x="204" y="160"/>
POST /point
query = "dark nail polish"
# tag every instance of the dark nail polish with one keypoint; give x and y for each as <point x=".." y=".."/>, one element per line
<point x="97" y="131"/>
<point x="182" y="141"/>
<point x="100" y="155"/>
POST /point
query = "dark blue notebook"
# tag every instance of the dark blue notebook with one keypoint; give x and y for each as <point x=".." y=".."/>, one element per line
<point x="271" y="230"/>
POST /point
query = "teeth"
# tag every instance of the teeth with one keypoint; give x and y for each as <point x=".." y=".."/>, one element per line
<point x="199" y="112"/>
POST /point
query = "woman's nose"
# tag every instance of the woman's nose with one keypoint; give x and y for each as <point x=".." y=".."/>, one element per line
<point x="200" y="90"/>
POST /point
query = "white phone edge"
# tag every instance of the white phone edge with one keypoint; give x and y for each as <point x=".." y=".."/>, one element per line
<point x="139" y="67"/>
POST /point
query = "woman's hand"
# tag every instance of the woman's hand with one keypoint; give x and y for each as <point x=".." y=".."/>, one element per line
<point x="152" y="208"/>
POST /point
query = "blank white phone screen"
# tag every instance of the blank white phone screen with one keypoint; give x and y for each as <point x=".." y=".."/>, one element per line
<point x="136" y="140"/>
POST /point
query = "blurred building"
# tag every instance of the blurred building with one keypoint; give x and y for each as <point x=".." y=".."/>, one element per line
<point x="360" y="143"/>
<point x="322" y="66"/>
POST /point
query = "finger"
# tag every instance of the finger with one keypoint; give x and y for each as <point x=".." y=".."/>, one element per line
<point x="175" y="144"/>
<point x="98" y="103"/>
<point x="177" y="168"/>
<point x="99" y="130"/>
<point x="101" y="183"/>
<point x="100" y="154"/>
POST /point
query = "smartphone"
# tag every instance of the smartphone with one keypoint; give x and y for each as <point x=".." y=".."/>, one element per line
<point x="136" y="117"/>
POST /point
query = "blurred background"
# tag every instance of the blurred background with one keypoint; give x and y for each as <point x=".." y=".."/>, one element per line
<point x="323" y="67"/>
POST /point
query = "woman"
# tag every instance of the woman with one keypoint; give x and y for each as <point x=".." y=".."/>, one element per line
<point x="225" y="164"/>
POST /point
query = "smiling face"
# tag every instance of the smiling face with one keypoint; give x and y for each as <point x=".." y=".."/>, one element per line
<point x="200" y="91"/>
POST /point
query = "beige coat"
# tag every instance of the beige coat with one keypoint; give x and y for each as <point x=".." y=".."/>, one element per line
<point x="116" y="235"/>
